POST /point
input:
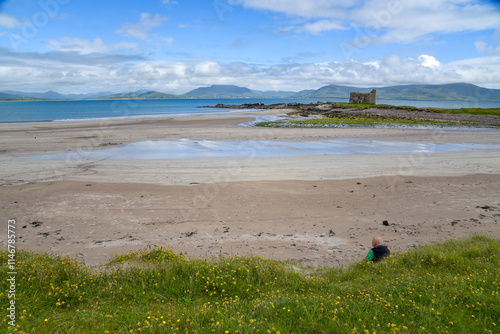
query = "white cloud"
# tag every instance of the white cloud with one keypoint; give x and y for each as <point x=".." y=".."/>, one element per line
<point x="482" y="71"/>
<point x="141" y="28"/>
<point x="86" y="46"/>
<point x="167" y="40"/>
<point x="71" y="72"/>
<point x="483" y="47"/>
<point x="417" y="20"/>
<point x="393" y="21"/>
<point x="9" y="21"/>
<point x="206" y="68"/>
<point x="428" y="61"/>
<point x="318" y="27"/>
<point x="309" y="8"/>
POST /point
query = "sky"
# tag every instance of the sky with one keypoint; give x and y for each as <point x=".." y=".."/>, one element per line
<point x="174" y="46"/>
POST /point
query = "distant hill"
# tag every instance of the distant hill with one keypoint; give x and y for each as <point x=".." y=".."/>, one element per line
<point x="232" y="91"/>
<point x="221" y="91"/>
<point x="333" y="91"/>
<point x="89" y="96"/>
<point x="7" y="96"/>
<point x="447" y="92"/>
<point x="141" y="94"/>
<point x="52" y="95"/>
<point x="274" y="93"/>
<point x="303" y="93"/>
<point x="46" y="95"/>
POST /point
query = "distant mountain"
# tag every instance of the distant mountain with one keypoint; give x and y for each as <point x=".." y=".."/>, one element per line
<point x="333" y="91"/>
<point x="46" y="95"/>
<point x="13" y="96"/>
<point x="303" y="93"/>
<point x="232" y="91"/>
<point x="221" y="91"/>
<point x="141" y="94"/>
<point x="54" y="95"/>
<point x="7" y="96"/>
<point x="447" y="92"/>
<point x="89" y="95"/>
<point x="274" y="93"/>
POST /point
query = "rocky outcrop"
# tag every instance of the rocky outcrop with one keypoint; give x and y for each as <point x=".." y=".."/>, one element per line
<point x="259" y="105"/>
<point x="337" y="109"/>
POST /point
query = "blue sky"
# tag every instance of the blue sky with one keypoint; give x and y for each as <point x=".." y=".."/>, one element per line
<point x="75" y="46"/>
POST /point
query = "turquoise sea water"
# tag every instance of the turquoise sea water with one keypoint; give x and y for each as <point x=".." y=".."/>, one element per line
<point x="48" y="111"/>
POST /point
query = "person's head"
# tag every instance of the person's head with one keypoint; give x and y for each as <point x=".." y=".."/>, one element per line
<point x="377" y="241"/>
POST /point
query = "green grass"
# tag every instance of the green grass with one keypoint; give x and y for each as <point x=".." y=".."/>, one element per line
<point x="473" y="111"/>
<point x="444" y="288"/>
<point x="356" y="121"/>
<point x="359" y="121"/>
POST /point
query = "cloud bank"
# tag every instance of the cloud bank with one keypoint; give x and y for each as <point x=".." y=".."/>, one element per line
<point x="71" y="71"/>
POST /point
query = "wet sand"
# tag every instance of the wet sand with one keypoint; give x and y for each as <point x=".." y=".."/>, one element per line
<point x="318" y="210"/>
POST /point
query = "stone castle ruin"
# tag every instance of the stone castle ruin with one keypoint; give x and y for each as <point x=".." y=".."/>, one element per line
<point x="363" y="97"/>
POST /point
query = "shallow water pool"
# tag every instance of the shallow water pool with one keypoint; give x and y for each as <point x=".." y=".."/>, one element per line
<point x="190" y="148"/>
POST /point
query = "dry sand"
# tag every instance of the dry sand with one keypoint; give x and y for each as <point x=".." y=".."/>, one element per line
<point x="318" y="210"/>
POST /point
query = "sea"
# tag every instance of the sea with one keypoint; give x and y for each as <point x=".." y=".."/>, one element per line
<point x="60" y="111"/>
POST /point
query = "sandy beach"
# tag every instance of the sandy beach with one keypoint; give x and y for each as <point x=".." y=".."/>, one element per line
<point x="320" y="210"/>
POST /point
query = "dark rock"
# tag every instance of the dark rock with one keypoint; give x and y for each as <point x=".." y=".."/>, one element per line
<point x="385" y="223"/>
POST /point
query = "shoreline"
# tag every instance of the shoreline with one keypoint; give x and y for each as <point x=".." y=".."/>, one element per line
<point x="281" y="208"/>
<point x="301" y="107"/>
<point x="375" y="111"/>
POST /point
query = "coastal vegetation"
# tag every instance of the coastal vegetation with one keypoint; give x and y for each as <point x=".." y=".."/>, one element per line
<point x="364" y="114"/>
<point x="471" y="111"/>
<point x="451" y="287"/>
<point x="353" y="121"/>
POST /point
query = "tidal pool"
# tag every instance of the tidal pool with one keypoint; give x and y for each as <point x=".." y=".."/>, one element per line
<point x="191" y="148"/>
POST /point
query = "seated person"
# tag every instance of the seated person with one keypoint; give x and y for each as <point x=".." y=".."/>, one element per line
<point x="378" y="252"/>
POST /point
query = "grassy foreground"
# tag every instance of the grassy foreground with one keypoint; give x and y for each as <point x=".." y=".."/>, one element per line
<point x="444" y="288"/>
